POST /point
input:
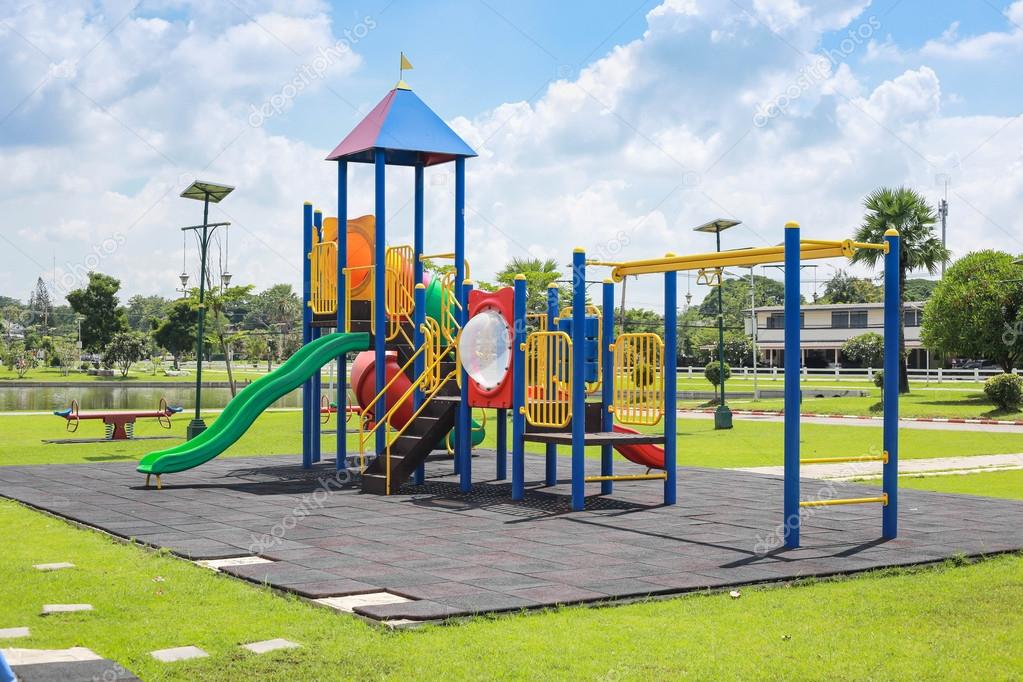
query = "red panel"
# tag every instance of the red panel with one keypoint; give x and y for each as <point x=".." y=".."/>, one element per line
<point x="502" y="302"/>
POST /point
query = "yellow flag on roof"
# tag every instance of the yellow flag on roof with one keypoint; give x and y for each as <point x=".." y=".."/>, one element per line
<point x="405" y="63"/>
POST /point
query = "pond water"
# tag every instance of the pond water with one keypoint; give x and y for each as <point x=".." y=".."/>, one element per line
<point x="93" y="397"/>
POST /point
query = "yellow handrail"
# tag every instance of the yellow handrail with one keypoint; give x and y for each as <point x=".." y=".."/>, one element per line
<point x="548" y="396"/>
<point x="448" y="304"/>
<point x="348" y="296"/>
<point x="638" y="395"/>
<point x="323" y="276"/>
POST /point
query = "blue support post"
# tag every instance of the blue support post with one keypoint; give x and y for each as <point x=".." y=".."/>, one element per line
<point x="463" y="438"/>
<point x="578" y="376"/>
<point x="551" y="450"/>
<point x="379" y="294"/>
<point x="501" y="471"/>
<point x="460" y="314"/>
<point x="670" y="390"/>
<point x="792" y="384"/>
<point x="317" y="380"/>
<point x="607" y="336"/>
<point x="892" y="361"/>
<point x="419" y="314"/>
<point x="307" y="318"/>
<point x="419" y="364"/>
<point x="341" y="399"/>
<point x="519" y="389"/>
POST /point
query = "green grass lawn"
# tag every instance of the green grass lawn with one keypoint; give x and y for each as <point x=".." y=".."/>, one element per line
<point x="953" y="621"/>
<point x="748" y="444"/>
<point x="1008" y="484"/>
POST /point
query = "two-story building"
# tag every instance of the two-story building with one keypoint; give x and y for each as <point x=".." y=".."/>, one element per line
<point x="826" y="328"/>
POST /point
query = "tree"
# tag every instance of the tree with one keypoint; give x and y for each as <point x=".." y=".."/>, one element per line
<point x="904" y="210"/>
<point x="539" y="275"/>
<point x="642" y="320"/>
<point x="735" y="297"/>
<point x="40" y="305"/>
<point x="255" y="348"/>
<point x="713" y="373"/>
<point x="97" y="303"/>
<point x="866" y="349"/>
<point x="66" y="353"/>
<point x="218" y="302"/>
<point x="976" y="310"/>
<point x="18" y="358"/>
<point x="920" y="289"/>
<point x="844" y="288"/>
<point x="177" y="331"/>
<point x="125" y="349"/>
<point x="145" y="312"/>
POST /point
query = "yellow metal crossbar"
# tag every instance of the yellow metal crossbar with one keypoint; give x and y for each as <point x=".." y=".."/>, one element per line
<point x="628" y="477"/>
<point x="638" y="394"/>
<point x="809" y="250"/>
<point x="840" y="460"/>
<point x="883" y="499"/>
<point x="548" y="379"/>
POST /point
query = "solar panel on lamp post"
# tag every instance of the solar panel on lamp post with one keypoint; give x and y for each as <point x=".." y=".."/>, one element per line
<point x="206" y="192"/>
<point x="722" y="415"/>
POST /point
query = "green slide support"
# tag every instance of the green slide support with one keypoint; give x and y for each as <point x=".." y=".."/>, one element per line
<point x="243" y="409"/>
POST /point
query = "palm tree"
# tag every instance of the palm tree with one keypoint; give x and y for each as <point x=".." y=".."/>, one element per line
<point x="910" y="214"/>
<point x="539" y="274"/>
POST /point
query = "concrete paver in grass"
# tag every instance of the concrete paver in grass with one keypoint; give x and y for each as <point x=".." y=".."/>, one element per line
<point x="179" y="653"/>
<point x="349" y="603"/>
<point x="16" y="657"/>
<point x="46" y="568"/>
<point x="52" y="609"/>
<point x="14" y="633"/>
<point x="217" y="564"/>
<point x="269" y="645"/>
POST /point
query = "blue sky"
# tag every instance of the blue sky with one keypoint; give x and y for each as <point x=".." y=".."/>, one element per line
<point x="615" y="126"/>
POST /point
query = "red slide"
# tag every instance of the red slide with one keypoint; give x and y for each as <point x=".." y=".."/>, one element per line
<point x="364" y="384"/>
<point x="650" y="456"/>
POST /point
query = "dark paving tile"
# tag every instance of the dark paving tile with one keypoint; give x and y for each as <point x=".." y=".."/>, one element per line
<point x="459" y="554"/>
<point x="416" y="610"/>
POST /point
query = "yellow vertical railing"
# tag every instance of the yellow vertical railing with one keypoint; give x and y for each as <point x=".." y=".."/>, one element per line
<point x="323" y="276"/>
<point x="548" y="379"/>
<point x="638" y="395"/>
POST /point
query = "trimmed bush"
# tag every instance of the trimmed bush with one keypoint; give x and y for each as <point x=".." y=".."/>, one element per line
<point x="643" y="374"/>
<point x="879" y="378"/>
<point x="713" y="372"/>
<point x="1005" y="390"/>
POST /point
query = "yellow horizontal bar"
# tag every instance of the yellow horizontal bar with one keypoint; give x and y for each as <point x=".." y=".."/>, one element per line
<point x="883" y="499"/>
<point x="628" y="477"/>
<point x="424" y="256"/>
<point x="736" y="258"/>
<point x="839" y="460"/>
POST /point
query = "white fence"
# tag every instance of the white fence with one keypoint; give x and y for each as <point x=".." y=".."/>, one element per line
<point x="936" y="375"/>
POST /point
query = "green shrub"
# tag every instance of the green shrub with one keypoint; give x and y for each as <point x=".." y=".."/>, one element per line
<point x="879" y="378"/>
<point x="713" y="372"/>
<point x="1005" y="390"/>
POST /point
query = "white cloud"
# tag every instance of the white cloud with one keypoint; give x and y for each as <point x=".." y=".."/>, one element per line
<point x="653" y="138"/>
<point x="980" y="47"/>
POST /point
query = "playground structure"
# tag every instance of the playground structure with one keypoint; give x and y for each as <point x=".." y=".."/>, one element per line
<point x="434" y="348"/>
<point x="120" y="424"/>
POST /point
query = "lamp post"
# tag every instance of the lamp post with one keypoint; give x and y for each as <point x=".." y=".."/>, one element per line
<point x="722" y="415"/>
<point x="206" y="192"/>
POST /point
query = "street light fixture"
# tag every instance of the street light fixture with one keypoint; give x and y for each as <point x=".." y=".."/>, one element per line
<point x="722" y="415"/>
<point x="206" y="192"/>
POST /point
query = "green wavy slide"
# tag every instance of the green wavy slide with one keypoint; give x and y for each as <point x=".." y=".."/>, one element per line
<point x="239" y="414"/>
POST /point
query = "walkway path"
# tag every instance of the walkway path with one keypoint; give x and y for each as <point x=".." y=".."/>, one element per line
<point x="924" y="467"/>
<point x="904" y="423"/>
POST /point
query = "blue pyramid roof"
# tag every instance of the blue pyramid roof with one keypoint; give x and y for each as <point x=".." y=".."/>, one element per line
<point x="407" y="131"/>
